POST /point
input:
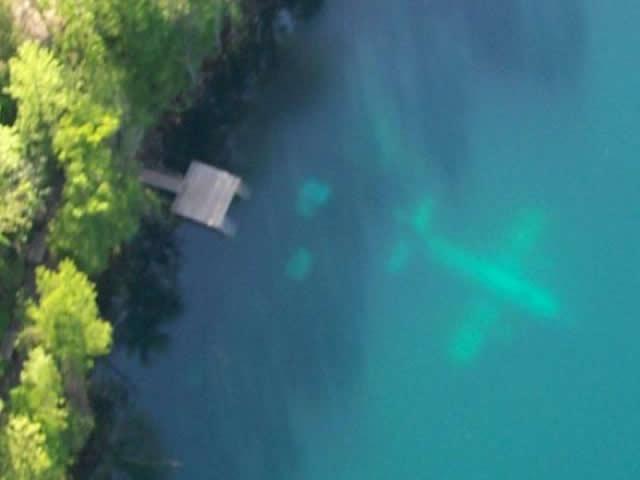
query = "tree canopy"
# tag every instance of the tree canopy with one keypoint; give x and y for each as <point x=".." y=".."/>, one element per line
<point x="79" y="83"/>
<point x="37" y="85"/>
<point x="102" y="198"/>
<point x="24" y="452"/>
<point x="19" y="187"/>
<point x="66" y="318"/>
<point x="39" y="397"/>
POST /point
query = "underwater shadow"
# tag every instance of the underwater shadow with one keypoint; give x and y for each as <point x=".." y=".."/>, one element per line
<point x="294" y="342"/>
<point x="124" y="443"/>
<point x="140" y="294"/>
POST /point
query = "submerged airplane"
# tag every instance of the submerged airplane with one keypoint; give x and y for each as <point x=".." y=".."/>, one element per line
<point x="500" y="279"/>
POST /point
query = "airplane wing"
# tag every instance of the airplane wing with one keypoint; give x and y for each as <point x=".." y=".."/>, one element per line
<point x="482" y="319"/>
<point x="500" y="279"/>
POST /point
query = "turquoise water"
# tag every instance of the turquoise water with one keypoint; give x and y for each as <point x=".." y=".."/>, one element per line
<point x="436" y="275"/>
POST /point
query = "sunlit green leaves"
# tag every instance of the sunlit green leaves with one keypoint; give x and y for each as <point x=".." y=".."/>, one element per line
<point x="38" y="87"/>
<point x="40" y="390"/>
<point x="40" y="397"/>
<point x="7" y="108"/>
<point x="109" y="68"/>
<point x="42" y="433"/>
<point x="6" y="31"/>
<point x="25" y="451"/>
<point x="67" y="318"/>
<point x="102" y="198"/>
<point x="19" y="187"/>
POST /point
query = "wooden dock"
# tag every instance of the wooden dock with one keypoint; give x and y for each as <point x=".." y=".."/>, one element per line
<point x="203" y="195"/>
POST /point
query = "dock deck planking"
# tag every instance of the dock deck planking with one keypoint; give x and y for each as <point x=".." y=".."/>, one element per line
<point x="204" y="195"/>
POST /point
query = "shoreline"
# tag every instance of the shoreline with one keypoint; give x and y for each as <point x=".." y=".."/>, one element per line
<point x="221" y="99"/>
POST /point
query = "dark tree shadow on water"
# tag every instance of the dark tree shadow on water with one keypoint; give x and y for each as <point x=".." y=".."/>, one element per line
<point x="124" y="444"/>
<point x="140" y="294"/>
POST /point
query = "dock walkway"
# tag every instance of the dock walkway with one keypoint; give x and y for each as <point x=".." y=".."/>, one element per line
<point x="203" y="195"/>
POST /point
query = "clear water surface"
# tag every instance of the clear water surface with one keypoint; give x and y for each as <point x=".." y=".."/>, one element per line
<point x="437" y="274"/>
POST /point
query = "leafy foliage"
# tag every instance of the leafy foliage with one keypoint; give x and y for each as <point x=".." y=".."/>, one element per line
<point x="38" y="86"/>
<point x="102" y="198"/>
<point x="140" y="289"/>
<point x="7" y="47"/>
<point x="66" y="318"/>
<point x="112" y="62"/>
<point x="25" y="454"/>
<point x="19" y="187"/>
<point x="6" y="31"/>
<point x="40" y="397"/>
<point x="110" y="68"/>
<point x="147" y="48"/>
<point x="34" y="442"/>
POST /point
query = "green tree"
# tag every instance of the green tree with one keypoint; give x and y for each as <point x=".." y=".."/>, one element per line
<point x="81" y="48"/>
<point x="39" y="396"/>
<point x="66" y="318"/>
<point x="102" y="197"/>
<point x="151" y="48"/>
<point x="6" y="31"/>
<point x="19" y="188"/>
<point x="38" y="86"/>
<point x="25" y="454"/>
<point x="7" y="48"/>
<point x="146" y="42"/>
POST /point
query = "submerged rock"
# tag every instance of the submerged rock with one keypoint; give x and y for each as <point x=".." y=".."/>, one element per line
<point x="312" y="196"/>
<point x="299" y="265"/>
